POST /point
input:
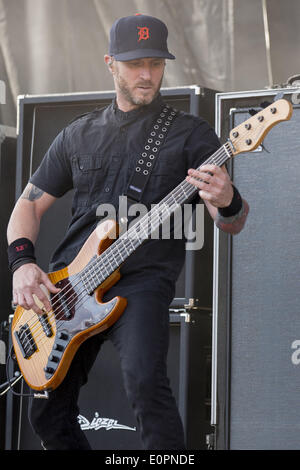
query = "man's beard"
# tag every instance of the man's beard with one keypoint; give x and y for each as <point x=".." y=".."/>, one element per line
<point x="137" y="100"/>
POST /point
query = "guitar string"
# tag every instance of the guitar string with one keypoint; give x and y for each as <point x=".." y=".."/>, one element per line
<point x="92" y="267"/>
<point x="207" y="161"/>
<point x="212" y="158"/>
<point x="159" y="218"/>
<point x="215" y="158"/>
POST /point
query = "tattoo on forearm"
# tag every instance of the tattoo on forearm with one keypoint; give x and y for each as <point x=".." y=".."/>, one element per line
<point x="32" y="192"/>
<point x="235" y="223"/>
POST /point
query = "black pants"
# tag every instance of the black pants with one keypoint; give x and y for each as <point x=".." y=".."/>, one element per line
<point x="141" y="338"/>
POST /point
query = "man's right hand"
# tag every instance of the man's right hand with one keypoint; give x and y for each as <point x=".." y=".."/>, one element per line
<point x="28" y="280"/>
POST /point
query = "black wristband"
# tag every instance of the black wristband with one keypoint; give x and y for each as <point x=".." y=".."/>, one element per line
<point x="17" y="264"/>
<point x="234" y="207"/>
<point x="19" y="252"/>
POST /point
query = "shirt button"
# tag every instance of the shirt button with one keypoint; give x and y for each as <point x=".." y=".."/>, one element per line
<point x="107" y="189"/>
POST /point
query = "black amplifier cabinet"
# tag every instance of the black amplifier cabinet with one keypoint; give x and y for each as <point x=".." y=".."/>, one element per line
<point x="256" y="313"/>
<point x="8" y="153"/>
<point x="40" y="119"/>
<point x="105" y="415"/>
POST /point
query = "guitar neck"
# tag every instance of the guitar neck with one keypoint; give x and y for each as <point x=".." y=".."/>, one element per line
<point x="112" y="258"/>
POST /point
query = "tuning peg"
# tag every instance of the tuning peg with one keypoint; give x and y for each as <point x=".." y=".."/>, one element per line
<point x="265" y="104"/>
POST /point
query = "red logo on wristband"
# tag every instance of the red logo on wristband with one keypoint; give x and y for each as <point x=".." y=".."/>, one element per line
<point x="21" y="247"/>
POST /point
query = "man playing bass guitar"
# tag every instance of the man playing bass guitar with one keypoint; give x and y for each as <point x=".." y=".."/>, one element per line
<point x="95" y="155"/>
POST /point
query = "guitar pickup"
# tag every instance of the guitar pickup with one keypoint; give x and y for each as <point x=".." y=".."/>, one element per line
<point x="45" y="325"/>
<point x="25" y="341"/>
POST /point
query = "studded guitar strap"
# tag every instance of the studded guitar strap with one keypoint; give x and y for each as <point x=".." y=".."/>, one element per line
<point x="149" y="155"/>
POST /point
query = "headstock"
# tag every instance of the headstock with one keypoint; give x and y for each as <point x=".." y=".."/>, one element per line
<point x="248" y="135"/>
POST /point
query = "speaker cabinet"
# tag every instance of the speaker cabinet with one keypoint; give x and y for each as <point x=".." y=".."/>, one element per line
<point x="105" y="415"/>
<point x="8" y="154"/>
<point x="256" y="321"/>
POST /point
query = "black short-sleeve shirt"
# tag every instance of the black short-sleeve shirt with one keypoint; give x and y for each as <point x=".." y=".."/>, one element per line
<point x="96" y="154"/>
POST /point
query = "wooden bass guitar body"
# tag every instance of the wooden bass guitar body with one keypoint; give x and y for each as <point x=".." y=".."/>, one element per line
<point x="46" y="344"/>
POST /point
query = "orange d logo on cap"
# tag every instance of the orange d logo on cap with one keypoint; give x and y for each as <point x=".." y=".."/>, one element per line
<point x="143" y="33"/>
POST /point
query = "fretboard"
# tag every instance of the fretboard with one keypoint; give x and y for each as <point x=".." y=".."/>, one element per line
<point x="113" y="257"/>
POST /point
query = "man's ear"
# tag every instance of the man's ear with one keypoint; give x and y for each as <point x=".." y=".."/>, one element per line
<point x="109" y="60"/>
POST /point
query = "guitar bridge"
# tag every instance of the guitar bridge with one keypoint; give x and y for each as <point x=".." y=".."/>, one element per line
<point x="25" y="341"/>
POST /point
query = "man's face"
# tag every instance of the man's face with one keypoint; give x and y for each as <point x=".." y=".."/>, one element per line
<point x="137" y="81"/>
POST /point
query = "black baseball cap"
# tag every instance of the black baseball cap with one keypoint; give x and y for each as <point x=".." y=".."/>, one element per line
<point x="137" y="37"/>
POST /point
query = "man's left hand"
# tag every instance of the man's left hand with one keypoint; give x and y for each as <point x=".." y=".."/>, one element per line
<point x="214" y="184"/>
